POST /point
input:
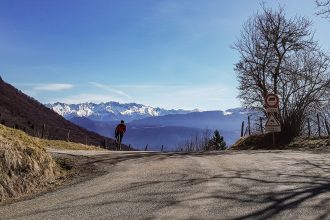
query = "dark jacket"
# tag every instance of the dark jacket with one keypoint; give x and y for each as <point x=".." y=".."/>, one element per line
<point x="121" y="128"/>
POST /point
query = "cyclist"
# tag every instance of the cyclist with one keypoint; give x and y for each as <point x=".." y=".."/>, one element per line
<point x="119" y="132"/>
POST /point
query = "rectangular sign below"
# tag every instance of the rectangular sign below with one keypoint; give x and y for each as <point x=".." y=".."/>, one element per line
<point x="272" y="110"/>
<point x="273" y="128"/>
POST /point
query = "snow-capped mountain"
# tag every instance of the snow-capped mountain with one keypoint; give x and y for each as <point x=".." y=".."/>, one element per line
<point x="111" y="111"/>
<point x="153" y="126"/>
<point x="171" y="129"/>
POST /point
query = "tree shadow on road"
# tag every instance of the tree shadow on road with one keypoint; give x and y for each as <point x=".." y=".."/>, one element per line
<point x="272" y="192"/>
<point x="258" y="192"/>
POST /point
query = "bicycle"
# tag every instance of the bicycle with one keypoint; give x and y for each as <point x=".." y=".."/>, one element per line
<point x="118" y="141"/>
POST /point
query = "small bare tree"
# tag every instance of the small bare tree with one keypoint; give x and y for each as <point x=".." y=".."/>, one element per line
<point x="197" y="142"/>
<point x="323" y="8"/>
<point x="278" y="55"/>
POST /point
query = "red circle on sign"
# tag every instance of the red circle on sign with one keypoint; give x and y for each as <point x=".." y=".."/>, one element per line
<point x="272" y="100"/>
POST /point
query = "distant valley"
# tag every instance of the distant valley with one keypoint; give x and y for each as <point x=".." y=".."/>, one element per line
<point x="152" y="126"/>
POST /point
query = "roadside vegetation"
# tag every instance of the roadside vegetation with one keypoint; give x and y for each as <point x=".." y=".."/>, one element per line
<point x="279" y="55"/>
<point x="25" y="166"/>
<point x="67" y="145"/>
<point x="264" y="142"/>
<point x="203" y="142"/>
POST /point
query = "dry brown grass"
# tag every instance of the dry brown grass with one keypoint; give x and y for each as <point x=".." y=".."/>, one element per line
<point x="25" y="166"/>
<point x="67" y="145"/>
<point x="256" y="142"/>
<point x="314" y="144"/>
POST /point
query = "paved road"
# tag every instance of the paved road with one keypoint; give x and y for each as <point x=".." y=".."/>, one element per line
<point x="232" y="185"/>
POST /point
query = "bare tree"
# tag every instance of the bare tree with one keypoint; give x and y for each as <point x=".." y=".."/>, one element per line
<point x="278" y="55"/>
<point x="305" y="89"/>
<point x="323" y="8"/>
<point x="197" y="142"/>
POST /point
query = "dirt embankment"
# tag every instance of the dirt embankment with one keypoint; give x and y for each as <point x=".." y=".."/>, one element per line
<point x="25" y="166"/>
<point x="264" y="142"/>
<point x="314" y="144"/>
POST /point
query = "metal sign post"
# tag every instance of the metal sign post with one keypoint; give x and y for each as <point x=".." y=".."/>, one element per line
<point x="272" y="109"/>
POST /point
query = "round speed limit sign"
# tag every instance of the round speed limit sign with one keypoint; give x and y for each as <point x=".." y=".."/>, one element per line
<point x="272" y="100"/>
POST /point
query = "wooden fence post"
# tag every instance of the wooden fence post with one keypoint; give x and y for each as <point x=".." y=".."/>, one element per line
<point x="129" y="147"/>
<point x="242" y="129"/>
<point x="249" y="125"/>
<point x="105" y="143"/>
<point x="162" y="148"/>
<point x="327" y="126"/>
<point x="261" y="128"/>
<point x="43" y="131"/>
<point x="146" y="148"/>
<point x="68" y="136"/>
<point x="318" y="124"/>
<point x="86" y="140"/>
<point x="309" y="127"/>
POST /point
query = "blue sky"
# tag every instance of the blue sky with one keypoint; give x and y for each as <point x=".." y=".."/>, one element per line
<point x="166" y="53"/>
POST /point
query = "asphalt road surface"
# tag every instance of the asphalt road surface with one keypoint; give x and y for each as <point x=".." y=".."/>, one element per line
<point x="231" y="185"/>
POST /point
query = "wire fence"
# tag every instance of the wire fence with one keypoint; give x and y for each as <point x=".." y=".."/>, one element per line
<point x="70" y="134"/>
<point x="316" y="126"/>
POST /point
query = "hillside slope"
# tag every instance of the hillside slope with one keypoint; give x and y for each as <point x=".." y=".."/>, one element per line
<point x="23" y="112"/>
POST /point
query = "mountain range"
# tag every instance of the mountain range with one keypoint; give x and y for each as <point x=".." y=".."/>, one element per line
<point x="111" y="111"/>
<point x="153" y="126"/>
<point x="93" y="123"/>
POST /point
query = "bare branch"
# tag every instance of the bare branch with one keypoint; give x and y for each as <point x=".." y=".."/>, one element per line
<point x="323" y="7"/>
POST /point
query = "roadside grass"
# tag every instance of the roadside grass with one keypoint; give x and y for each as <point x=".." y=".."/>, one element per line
<point x="63" y="145"/>
<point x="25" y="165"/>
<point x="311" y="143"/>
<point x="256" y="142"/>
